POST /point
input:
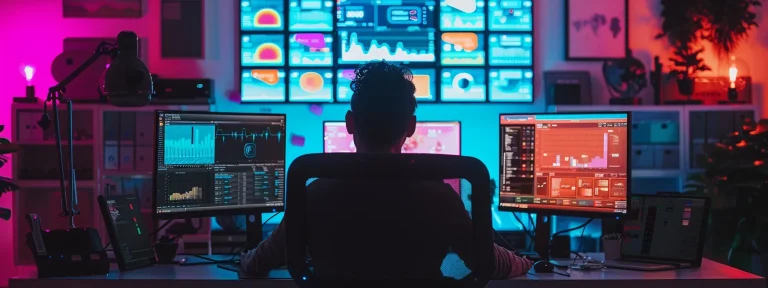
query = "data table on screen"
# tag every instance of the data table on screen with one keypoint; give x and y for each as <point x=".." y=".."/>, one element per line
<point x="261" y="15"/>
<point x="263" y="85"/>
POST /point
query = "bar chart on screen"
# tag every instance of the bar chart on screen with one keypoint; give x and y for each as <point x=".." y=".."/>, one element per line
<point x="189" y="144"/>
<point x="575" y="149"/>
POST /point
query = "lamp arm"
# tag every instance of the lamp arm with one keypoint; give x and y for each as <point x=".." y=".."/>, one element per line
<point x="56" y="93"/>
<point x="102" y="50"/>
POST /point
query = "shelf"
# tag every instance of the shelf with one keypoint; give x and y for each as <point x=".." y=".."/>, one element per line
<point x="656" y="173"/>
<point x="122" y="173"/>
<point x="51" y="142"/>
<point x="619" y="108"/>
<point x="51" y="183"/>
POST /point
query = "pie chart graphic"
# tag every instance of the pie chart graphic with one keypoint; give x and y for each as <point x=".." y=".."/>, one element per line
<point x="269" y="53"/>
<point x="463" y="81"/>
<point x="311" y="82"/>
<point x="267" y="18"/>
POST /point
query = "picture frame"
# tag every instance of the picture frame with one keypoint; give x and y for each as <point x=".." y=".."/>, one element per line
<point x="596" y="30"/>
<point x="102" y="8"/>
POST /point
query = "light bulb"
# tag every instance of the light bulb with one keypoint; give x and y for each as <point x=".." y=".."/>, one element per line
<point x="29" y="72"/>
<point x="732" y="74"/>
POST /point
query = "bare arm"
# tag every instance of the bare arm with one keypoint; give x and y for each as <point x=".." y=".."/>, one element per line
<point x="270" y="254"/>
<point x="507" y="264"/>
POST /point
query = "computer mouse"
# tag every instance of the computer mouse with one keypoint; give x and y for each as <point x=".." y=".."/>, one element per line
<point x="543" y="266"/>
<point x="183" y="260"/>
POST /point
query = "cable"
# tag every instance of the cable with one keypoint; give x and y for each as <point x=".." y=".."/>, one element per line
<point x="528" y="232"/>
<point x="502" y="238"/>
<point x="581" y="240"/>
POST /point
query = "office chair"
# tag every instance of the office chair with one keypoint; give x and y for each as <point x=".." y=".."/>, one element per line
<point x="363" y="235"/>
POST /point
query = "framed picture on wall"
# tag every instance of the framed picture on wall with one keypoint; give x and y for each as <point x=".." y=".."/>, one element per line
<point x="102" y="8"/>
<point x="596" y="30"/>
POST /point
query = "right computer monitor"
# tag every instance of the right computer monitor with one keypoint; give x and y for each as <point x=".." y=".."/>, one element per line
<point x="565" y="163"/>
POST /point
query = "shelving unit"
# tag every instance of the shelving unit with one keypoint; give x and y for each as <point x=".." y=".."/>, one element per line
<point x="666" y="139"/>
<point x="121" y="157"/>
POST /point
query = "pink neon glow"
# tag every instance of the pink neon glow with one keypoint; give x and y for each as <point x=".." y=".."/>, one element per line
<point x="29" y="72"/>
<point x="430" y="138"/>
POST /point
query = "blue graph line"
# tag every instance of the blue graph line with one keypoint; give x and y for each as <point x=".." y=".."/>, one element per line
<point x="189" y="144"/>
<point x="244" y="135"/>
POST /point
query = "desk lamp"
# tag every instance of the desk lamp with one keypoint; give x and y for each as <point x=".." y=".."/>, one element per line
<point x="127" y="83"/>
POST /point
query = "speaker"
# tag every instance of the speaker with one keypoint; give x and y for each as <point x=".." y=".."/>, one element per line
<point x="568" y="88"/>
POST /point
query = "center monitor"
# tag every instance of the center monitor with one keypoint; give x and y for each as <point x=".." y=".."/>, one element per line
<point x="429" y="138"/>
<point x="566" y="164"/>
<point x="211" y="164"/>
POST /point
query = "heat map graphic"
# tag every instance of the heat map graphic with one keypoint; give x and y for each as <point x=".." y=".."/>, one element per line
<point x="267" y="18"/>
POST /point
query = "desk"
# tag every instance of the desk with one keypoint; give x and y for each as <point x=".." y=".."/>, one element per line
<point x="710" y="275"/>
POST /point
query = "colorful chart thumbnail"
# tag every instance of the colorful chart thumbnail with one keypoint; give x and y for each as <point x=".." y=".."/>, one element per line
<point x="310" y="49"/>
<point x="262" y="50"/>
<point x="263" y="85"/>
<point x="311" y="85"/>
<point x="463" y="85"/>
<point x="261" y="15"/>
<point x="510" y="49"/>
<point x="511" y="85"/>
<point x="462" y="15"/>
<point x="423" y="79"/>
<point x="462" y="48"/>
<point x="310" y="15"/>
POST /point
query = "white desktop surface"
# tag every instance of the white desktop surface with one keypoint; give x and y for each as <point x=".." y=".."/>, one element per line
<point x="711" y="274"/>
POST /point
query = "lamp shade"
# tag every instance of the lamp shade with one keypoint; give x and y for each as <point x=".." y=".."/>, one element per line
<point x="127" y="82"/>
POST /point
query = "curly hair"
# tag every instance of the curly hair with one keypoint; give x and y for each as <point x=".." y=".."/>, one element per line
<point x="382" y="102"/>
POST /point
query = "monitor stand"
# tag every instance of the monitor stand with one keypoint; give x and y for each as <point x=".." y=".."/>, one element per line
<point x="253" y="230"/>
<point x="543" y="235"/>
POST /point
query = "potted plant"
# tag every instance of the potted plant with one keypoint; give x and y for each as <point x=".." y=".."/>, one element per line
<point x="735" y="177"/>
<point x="727" y="22"/>
<point x="687" y="63"/>
<point x="6" y="184"/>
<point x="682" y="26"/>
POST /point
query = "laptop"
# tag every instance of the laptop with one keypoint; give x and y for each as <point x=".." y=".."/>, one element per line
<point x="663" y="232"/>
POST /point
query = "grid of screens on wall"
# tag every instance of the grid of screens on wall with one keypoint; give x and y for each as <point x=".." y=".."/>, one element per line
<point x="459" y="50"/>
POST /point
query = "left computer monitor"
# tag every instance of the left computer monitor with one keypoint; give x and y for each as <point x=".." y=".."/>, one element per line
<point x="212" y="164"/>
<point x="429" y="138"/>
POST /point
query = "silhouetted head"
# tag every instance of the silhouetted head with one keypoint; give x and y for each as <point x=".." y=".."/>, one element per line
<point x="383" y="107"/>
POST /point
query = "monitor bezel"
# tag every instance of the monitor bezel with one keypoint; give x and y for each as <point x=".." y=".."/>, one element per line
<point x="208" y="213"/>
<point x="417" y="123"/>
<point x="572" y="213"/>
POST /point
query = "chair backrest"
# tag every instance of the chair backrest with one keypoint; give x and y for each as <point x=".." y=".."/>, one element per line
<point x="364" y="212"/>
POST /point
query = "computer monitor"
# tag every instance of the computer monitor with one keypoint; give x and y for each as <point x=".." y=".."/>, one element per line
<point x="213" y="164"/>
<point x="429" y="138"/>
<point x="671" y="228"/>
<point x="566" y="163"/>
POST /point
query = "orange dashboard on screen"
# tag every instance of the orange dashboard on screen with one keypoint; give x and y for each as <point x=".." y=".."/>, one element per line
<point x="569" y="163"/>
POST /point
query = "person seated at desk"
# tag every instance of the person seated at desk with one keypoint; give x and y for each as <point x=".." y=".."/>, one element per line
<point x="380" y="119"/>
